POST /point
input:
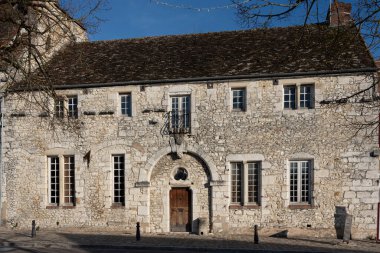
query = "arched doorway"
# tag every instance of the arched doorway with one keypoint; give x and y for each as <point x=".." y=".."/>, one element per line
<point x="180" y="193"/>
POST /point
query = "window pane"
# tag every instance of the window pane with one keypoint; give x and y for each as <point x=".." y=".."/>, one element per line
<point x="290" y="97"/>
<point x="186" y="111"/>
<point x="180" y="114"/>
<point x="126" y="105"/>
<point x="305" y="182"/>
<point x="59" y="108"/>
<point x="253" y="182"/>
<point x="293" y="181"/>
<point x="300" y="181"/>
<point x="236" y="169"/>
<point x="119" y="179"/>
<point x="238" y="99"/>
<point x="69" y="179"/>
<point x="306" y="96"/>
<point x="54" y="179"/>
<point x="72" y="104"/>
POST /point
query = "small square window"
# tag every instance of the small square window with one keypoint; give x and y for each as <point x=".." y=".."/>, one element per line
<point x="238" y="99"/>
<point x="126" y="104"/>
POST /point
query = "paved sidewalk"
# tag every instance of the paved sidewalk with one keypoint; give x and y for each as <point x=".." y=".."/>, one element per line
<point x="173" y="242"/>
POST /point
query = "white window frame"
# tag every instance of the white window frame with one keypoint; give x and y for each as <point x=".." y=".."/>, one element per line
<point x="72" y="107"/>
<point x="181" y="108"/>
<point x="118" y="200"/>
<point x="54" y="179"/>
<point x="127" y="110"/>
<point x="239" y="102"/>
<point x="66" y="106"/>
<point x="60" y="168"/>
<point x="296" y="192"/>
<point x="243" y="194"/>
<point x="298" y="101"/>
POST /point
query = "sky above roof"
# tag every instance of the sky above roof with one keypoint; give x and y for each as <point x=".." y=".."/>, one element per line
<point x="123" y="19"/>
<point x="142" y="18"/>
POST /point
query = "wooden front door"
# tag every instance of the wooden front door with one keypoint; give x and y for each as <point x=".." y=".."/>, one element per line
<point x="180" y="199"/>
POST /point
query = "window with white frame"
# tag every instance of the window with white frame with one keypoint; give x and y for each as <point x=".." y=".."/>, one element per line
<point x="59" y="108"/>
<point x="118" y="179"/>
<point x="72" y="105"/>
<point x="66" y="107"/>
<point x="236" y="180"/>
<point x="238" y="99"/>
<point x="180" y="117"/>
<point x="300" y="181"/>
<point x="61" y="180"/>
<point x="306" y="96"/>
<point x="299" y="96"/>
<point x="54" y="179"/>
<point x="69" y="179"/>
<point x="245" y="183"/>
<point x="290" y="97"/>
<point x="126" y="104"/>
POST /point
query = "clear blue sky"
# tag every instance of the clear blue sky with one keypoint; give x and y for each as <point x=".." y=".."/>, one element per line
<point x="141" y="18"/>
<point x="124" y="19"/>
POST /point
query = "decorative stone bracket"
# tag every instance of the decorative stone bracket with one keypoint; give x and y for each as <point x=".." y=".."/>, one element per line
<point x="177" y="145"/>
<point x="217" y="183"/>
<point x="142" y="184"/>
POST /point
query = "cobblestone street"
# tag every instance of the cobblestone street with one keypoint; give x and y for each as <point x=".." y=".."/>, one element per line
<point x="93" y="241"/>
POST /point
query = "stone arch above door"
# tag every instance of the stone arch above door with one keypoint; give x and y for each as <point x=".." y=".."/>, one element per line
<point x="179" y="212"/>
<point x="145" y="172"/>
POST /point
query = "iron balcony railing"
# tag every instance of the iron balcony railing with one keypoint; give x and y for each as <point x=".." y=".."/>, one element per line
<point x="179" y="122"/>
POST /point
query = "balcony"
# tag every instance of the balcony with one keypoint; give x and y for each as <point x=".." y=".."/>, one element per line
<point x="179" y="122"/>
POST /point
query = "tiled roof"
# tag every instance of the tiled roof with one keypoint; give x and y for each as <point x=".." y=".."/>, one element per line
<point x="202" y="56"/>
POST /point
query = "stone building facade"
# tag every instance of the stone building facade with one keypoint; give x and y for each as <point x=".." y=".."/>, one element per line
<point x="218" y="140"/>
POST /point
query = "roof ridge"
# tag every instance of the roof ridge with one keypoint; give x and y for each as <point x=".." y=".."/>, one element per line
<point x="207" y="33"/>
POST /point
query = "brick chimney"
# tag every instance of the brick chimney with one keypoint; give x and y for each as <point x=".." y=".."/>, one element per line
<point x="339" y="14"/>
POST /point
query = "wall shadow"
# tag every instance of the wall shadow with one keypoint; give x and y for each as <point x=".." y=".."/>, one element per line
<point x="207" y="243"/>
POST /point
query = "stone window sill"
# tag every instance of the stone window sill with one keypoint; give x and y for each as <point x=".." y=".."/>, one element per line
<point x="52" y="207"/>
<point x="246" y="207"/>
<point x="68" y="207"/>
<point x="61" y="207"/>
<point x="117" y="206"/>
<point x="238" y="110"/>
<point x="300" y="206"/>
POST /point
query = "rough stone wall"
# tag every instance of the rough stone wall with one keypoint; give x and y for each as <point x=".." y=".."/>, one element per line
<point x="344" y="174"/>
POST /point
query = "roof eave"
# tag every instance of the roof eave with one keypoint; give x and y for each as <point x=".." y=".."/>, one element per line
<point x="220" y="78"/>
